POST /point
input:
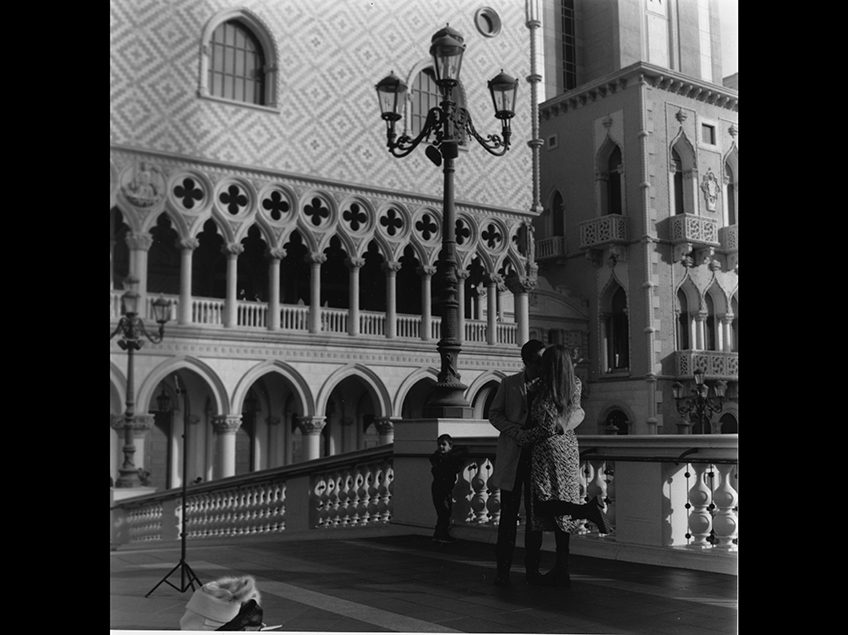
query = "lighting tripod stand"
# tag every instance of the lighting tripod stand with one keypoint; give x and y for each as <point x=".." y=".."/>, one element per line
<point x="187" y="576"/>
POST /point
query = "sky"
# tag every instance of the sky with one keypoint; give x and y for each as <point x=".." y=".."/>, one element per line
<point x="728" y="13"/>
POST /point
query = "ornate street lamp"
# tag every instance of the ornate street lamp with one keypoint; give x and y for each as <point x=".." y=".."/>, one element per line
<point x="447" y="124"/>
<point x="704" y="402"/>
<point x="131" y="329"/>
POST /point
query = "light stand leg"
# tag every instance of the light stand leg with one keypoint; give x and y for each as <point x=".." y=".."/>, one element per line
<point x="187" y="575"/>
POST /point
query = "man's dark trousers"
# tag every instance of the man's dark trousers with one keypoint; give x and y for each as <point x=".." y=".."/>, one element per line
<point x="510" y="504"/>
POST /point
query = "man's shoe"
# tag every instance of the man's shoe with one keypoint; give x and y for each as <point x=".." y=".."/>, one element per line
<point x="249" y="615"/>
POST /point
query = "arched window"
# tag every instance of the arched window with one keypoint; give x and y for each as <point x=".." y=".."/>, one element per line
<point x="734" y="325"/>
<point x="677" y="170"/>
<point x="683" y="322"/>
<point x="728" y="424"/>
<point x="614" y="182"/>
<point x="238" y="60"/>
<point x="236" y="68"/>
<point x="425" y="94"/>
<point x="730" y="189"/>
<point x="617" y="423"/>
<point x="710" y="326"/>
<point x="558" y="215"/>
<point x="616" y="329"/>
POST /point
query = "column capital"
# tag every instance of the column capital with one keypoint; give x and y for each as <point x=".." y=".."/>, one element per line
<point x="277" y="253"/>
<point x="311" y="424"/>
<point x="493" y="278"/>
<point x="355" y="262"/>
<point x="426" y="270"/>
<point x="384" y="425"/>
<point x="316" y="258"/>
<point x="188" y="243"/>
<point x="226" y="424"/>
<point x="139" y="241"/>
<point x="392" y="266"/>
<point x="521" y="284"/>
<point x="462" y="274"/>
<point x="233" y="249"/>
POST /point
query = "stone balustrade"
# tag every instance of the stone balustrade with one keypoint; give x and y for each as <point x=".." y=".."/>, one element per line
<point x="671" y="499"/>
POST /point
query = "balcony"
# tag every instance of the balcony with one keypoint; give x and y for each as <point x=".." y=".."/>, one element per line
<point x="604" y="238"/>
<point x="690" y="233"/>
<point x="253" y="317"/>
<point x="729" y="239"/>
<point x="550" y="248"/>
<point x="714" y="364"/>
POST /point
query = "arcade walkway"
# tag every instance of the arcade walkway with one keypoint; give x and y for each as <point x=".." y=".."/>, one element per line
<point x="396" y="579"/>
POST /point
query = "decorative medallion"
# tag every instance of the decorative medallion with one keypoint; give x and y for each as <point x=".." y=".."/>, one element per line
<point x="711" y="189"/>
<point x="276" y="205"/>
<point x="143" y="185"/>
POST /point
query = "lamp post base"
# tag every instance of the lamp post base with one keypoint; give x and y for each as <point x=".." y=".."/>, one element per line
<point x="128" y="478"/>
<point x="447" y="401"/>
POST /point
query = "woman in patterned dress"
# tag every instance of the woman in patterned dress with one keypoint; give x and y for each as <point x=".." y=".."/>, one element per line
<point x="555" y="459"/>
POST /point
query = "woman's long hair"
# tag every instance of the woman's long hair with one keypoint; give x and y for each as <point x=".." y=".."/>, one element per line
<point x="557" y="376"/>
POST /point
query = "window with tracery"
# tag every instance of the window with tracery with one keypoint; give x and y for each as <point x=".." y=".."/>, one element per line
<point x="616" y="333"/>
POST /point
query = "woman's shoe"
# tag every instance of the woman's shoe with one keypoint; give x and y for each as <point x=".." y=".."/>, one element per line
<point x="596" y="516"/>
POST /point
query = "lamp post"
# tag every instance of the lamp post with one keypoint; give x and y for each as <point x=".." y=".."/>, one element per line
<point x="131" y="329"/>
<point x="447" y="124"/>
<point x="704" y="402"/>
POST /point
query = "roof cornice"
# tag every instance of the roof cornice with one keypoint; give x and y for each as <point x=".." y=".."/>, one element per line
<point x="645" y="74"/>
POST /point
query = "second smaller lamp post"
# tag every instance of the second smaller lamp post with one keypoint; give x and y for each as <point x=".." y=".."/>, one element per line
<point x="447" y="124"/>
<point x="704" y="402"/>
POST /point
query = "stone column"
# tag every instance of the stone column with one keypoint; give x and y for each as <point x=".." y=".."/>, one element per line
<point x="273" y="321"/>
<point x="353" y="265"/>
<point x="426" y="274"/>
<point x="311" y="428"/>
<point x="492" y="281"/>
<point x="226" y="427"/>
<point x="700" y="330"/>
<point x="727" y="333"/>
<point x="276" y="442"/>
<point x="316" y="260"/>
<point x="138" y="245"/>
<point x="520" y="288"/>
<point x="187" y="247"/>
<point x="386" y="429"/>
<point x="232" y="252"/>
<point x="391" y="269"/>
<point x="461" y="276"/>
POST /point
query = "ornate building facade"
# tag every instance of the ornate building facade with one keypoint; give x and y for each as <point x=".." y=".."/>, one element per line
<point x="252" y="189"/>
<point x="640" y="184"/>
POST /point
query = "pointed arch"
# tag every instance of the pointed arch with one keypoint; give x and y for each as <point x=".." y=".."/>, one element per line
<point x="609" y="177"/>
<point x="614" y="327"/>
<point x="683" y="175"/>
<point x="730" y="191"/>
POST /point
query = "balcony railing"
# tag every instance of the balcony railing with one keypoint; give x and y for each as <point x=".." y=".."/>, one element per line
<point x="670" y="498"/>
<point x="605" y="230"/>
<point x="714" y="364"/>
<point x="689" y="228"/>
<point x="553" y="247"/>
<point x="210" y="312"/>
<point x="729" y="238"/>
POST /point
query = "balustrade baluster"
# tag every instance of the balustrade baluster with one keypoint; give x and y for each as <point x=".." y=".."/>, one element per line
<point x="700" y="498"/>
<point x="480" y="496"/>
<point x="725" y="522"/>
